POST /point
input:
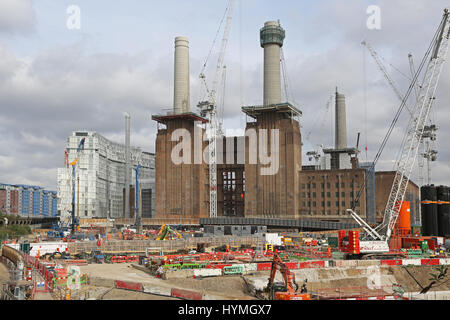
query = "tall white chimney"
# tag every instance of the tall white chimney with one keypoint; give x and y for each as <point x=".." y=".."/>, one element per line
<point x="271" y="38"/>
<point x="181" y="76"/>
<point x="341" y="122"/>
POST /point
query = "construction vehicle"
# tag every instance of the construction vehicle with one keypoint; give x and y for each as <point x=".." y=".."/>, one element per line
<point x="287" y="290"/>
<point x="58" y="231"/>
<point x="96" y="257"/>
<point x="165" y="231"/>
<point x="376" y="240"/>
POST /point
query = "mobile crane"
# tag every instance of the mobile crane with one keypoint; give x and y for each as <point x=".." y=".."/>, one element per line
<point x="376" y="240"/>
<point x="287" y="290"/>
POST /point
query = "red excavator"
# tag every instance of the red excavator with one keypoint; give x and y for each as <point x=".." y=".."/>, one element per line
<point x="287" y="290"/>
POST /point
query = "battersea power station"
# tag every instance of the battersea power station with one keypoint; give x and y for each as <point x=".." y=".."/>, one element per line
<point x="260" y="174"/>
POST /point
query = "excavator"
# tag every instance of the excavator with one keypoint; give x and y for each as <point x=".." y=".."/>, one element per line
<point x="287" y="290"/>
<point x="165" y="231"/>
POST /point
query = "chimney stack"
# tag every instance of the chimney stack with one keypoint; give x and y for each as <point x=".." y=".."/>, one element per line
<point x="341" y="122"/>
<point x="271" y="38"/>
<point x="181" y="76"/>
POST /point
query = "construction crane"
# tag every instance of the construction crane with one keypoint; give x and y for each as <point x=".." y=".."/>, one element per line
<point x="375" y="56"/>
<point x="75" y="222"/>
<point x="288" y="290"/>
<point x="377" y="239"/>
<point x="209" y="107"/>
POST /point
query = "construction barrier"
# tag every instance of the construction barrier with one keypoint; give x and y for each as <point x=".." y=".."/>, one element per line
<point x="207" y="272"/>
<point x="79" y="262"/>
<point x="250" y="267"/>
<point x="234" y="269"/>
<point x="161" y="291"/>
<point x="220" y="266"/>
<point x="264" y="266"/>
<point x="412" y="262"/>
<point x="291" y="265"/>
<point x="391" y="262"/>
<point x="430" y="262"/>
<point x="312" y="264"/>
<point x="186" y="294"/>
<point x="444" y="262"/>
<point x="128" y="285"/>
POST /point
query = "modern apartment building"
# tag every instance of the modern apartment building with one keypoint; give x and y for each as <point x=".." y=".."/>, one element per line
<point x="100" y="178"/>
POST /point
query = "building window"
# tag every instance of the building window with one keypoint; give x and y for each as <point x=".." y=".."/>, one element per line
<point x="322" y="194"/>
<point x="328" y="185"/>
<point x="314" y="185"/>
<point x="322" y="185"/>
<point x="323" y="203"/>
<point x="314" y="194"/>
<point x="337" y="203"/>
<point x="342" y="194"/>
<point x="303" y="194"/>
<point x="303" y="204"/>
<point x="343" y="203"/>
<point x="342" y="185"/>
<point x="314" y="203"/>
<point x="303" y="186"/>
<point x="328" y="194"/>
<point x="337" y="184"/>
<point x="337" y="194"/>
<point x="328" y="204"/>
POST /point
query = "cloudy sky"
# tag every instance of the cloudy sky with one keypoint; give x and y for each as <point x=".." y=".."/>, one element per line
<point x="55" y="79"/>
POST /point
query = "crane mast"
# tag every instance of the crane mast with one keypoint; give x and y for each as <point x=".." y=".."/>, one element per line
<point x="416" y="128"/>
<point x="210" y="107"/>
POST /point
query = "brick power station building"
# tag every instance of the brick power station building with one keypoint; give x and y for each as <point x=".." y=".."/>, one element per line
<point x="290" y="191"/>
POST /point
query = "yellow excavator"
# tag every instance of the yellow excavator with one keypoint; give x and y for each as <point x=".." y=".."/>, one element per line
<point x="165" y="231"/>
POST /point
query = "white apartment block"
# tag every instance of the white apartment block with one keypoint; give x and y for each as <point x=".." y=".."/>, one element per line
<point x="100" y="178"/>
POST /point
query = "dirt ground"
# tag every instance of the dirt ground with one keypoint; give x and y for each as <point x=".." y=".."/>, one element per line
<point x="118" y="294"/>
<point x="4" y="274"/>
<point x="234" y="287"/>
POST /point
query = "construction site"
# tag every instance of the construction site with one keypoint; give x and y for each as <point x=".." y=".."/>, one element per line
<point x="215" y="217"/>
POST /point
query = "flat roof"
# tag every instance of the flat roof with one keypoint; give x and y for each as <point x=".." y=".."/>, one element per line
<point x="187" y="116"/>
<point x="285" y="107"/>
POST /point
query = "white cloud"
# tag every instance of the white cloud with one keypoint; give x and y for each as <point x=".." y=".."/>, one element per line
<point x="17" y="16"/>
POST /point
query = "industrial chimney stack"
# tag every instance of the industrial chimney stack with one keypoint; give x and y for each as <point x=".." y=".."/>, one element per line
<point x="181" y="76"/>
<point x="271" y="37"/>
<point x="341" y="122"/>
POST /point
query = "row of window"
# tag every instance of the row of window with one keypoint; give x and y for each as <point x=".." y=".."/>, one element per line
<point x="351" y="194"/>
<point x="328" y="212"/>
<point x="314" y="203"/>
<point x="322" y="185"/>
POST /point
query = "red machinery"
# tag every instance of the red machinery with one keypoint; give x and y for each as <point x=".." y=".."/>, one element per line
<point x="286" y="290"/>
